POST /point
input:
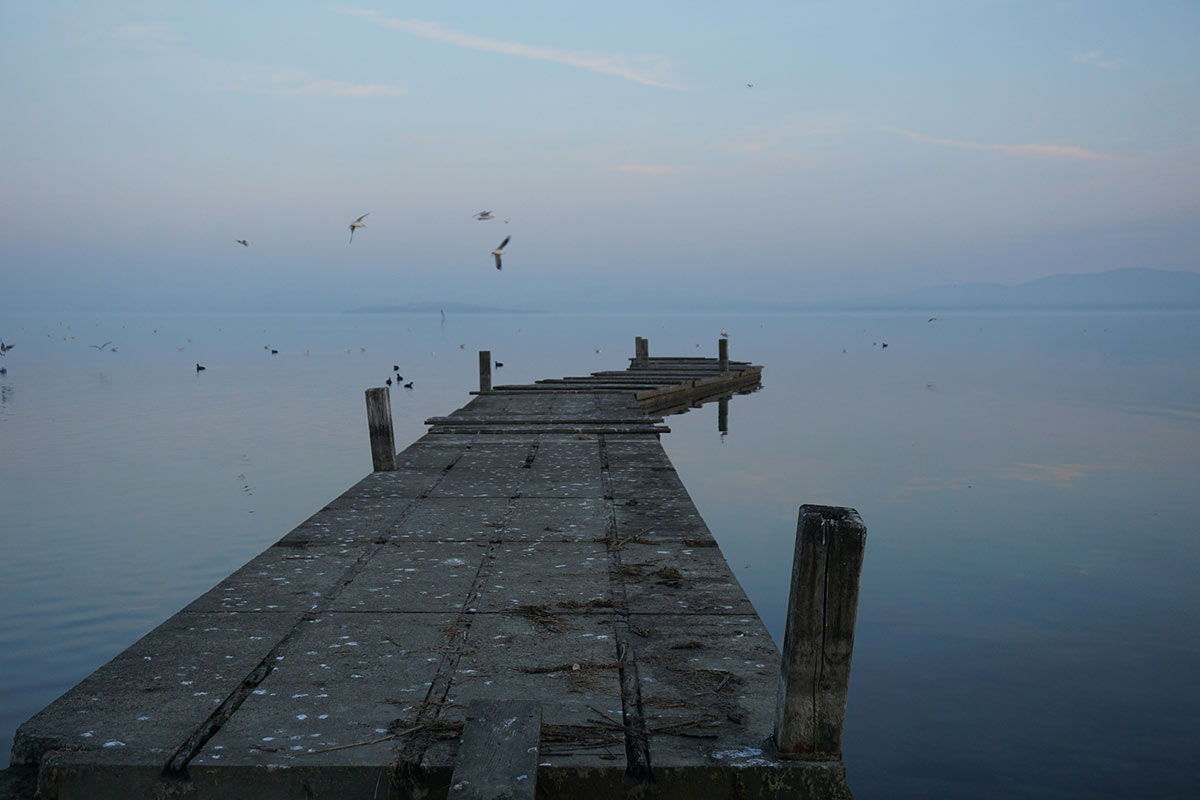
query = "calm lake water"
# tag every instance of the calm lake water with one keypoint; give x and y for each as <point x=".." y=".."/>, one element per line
<point x="1029" y="623"/>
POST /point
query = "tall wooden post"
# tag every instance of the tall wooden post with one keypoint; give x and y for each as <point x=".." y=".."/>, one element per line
<point x="379" y="422"/>
<point x="723" y="354"/>
<point x="485" y="370"/>
<point x="815" y="677"/>
<point x="641" y="351"/>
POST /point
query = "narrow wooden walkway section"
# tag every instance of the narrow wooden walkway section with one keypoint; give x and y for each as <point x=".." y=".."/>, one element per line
<point x="534" y="550"/>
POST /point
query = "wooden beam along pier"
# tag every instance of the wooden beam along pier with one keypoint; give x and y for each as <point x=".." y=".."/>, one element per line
<point x="522" y="603"/>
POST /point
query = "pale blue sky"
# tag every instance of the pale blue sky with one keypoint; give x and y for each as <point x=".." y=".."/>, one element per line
<point x="883" y="146"/>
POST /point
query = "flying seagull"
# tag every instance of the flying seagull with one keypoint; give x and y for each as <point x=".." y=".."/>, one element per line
<point x="482" y="215"/>
<point x="499" y="250"/>
<point x="358" y="223"/>
<point x="101" y="346"/>
<point x="4" y="348"/>
<point x="243" y="242"/>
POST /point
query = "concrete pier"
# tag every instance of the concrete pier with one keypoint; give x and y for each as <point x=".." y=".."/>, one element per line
<point x="535" y="550"/>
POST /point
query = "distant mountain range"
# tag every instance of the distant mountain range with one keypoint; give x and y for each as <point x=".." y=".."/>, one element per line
<point x="1135" y="288"/>
<point x="1118" y="289"/>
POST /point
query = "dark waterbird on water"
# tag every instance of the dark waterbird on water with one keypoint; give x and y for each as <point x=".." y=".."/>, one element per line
<point x="499" y="364"/>
<point x="388" y="381"/>
<point x="200" y="367"/>
<point x="243" y="242"/>
<point x="408" y="385"/>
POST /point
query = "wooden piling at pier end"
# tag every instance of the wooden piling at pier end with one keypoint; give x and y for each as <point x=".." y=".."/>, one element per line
<point x="485" y="370"/>
<point x="527" y="605"/>
<point x="379" y="425"/>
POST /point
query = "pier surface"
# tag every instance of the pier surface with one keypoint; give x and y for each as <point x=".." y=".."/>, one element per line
<point x="534" y="550"/>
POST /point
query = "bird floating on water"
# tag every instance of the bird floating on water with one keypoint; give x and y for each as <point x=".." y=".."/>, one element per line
<point x="200" y="367"/>
<point x="500" y="250"/>
<point x="482" y="215"/>
<point x="243" y="242"/>
<point x="408" y="385"/>
<point x="358" y="223"/>
<point x="499" y="364"/>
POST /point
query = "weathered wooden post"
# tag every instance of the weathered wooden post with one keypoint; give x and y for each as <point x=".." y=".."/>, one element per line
<point x="723" y="354"/>
<point x="379" y="422"/>
<point x="641" y="351"/>
<point x="485" y="370"/>
<point x="815" y="676"/>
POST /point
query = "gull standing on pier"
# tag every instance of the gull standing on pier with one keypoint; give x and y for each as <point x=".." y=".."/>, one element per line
<point x="500" y="250"/>
<point x="358" y="223"/>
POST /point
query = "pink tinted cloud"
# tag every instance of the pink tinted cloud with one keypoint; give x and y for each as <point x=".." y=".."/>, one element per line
<point x="646" y="169"/>
<point x="1037" y="150"/>
<point x="648" y="70"/>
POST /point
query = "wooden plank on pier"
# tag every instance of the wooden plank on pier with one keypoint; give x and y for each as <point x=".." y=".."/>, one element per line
<point x="498" y="756"/>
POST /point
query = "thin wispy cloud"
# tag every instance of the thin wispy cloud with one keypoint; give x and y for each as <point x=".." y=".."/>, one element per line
<point x="264" y="79"/>
<point x="794" y="132"/>
<point x="1035" y="150"/>
<point x="145" y="33"/>
<point x="646" y="169"/>
<point x="1096" y="59"/>
<point x="303" y="85"/>
<point x="651" y="70"/>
